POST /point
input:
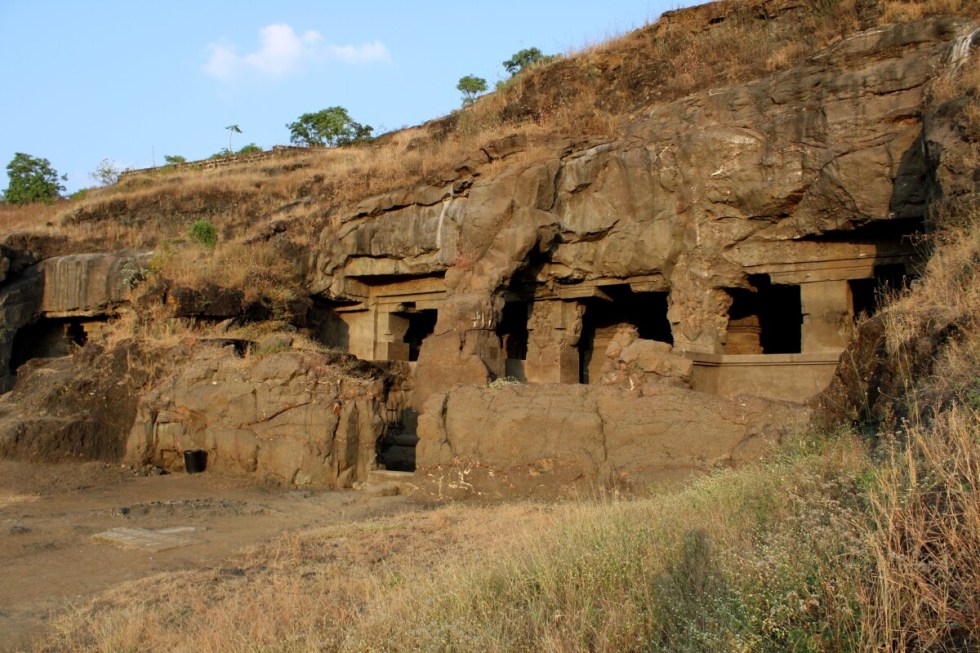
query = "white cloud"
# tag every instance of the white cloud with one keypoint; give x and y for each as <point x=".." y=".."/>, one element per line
<point x="364" y="53"/>
<point x="283" y="52"/>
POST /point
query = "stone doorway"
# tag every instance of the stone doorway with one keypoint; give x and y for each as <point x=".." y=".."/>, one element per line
<point x="513" y="334"/>
<point x="420" y="325"/>
<point x="619" y="305"/>
<point x="867" y="295"/>
<point x="765" y="318"/>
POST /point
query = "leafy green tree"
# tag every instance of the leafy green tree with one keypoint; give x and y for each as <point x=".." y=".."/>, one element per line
<point x="174" y="159"/>
<point x="232" y="130"/>
<point x="524" y="58"/>
<point x="471" y="86"/>
<point x="106" y="173"/>
<point x="328" y="127"/>
<point x="251" y="148"/>
<point x="32" y="179"/>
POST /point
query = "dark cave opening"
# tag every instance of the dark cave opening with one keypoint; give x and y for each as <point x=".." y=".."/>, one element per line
<point x="49" y="338"/>
<point x="765" y="319"/>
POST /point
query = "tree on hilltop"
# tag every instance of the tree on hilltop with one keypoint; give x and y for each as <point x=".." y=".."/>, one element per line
<point x="232" y="130"/>
<point x="328" y="127"/>
<point x="524" y="58"/>
<point x="471" y="86"/>
<point x="106" y="173"/>
<point x="32" y="179"/>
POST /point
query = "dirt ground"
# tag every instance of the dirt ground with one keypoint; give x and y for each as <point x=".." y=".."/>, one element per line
<point x="49" y="513"/>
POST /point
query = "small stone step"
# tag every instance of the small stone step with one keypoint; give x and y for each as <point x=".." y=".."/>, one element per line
<point x="379" y="476"/>
<point x="386" y="483"/>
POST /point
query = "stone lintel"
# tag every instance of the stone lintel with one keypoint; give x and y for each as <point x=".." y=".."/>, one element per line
<point x="830" y="270"/>
<point x="395" y="303"/>
<point x="94" y="315"/>
<point x="350" y="308"/>
<point x="593" y="287"/>
<point x="735" y="360"/>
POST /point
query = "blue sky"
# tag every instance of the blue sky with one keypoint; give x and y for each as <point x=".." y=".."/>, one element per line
<point x="133" y="81"/>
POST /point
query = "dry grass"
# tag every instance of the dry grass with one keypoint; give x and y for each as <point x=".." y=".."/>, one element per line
<point x="303" y="592"/>
<point x="925" y="538"/>
<point x="896" y="11"/>
<point x="744" y="560"/>
<point x="28" y="217"/>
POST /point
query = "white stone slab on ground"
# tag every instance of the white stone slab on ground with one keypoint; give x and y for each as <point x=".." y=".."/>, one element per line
<point x="150" y="540"/>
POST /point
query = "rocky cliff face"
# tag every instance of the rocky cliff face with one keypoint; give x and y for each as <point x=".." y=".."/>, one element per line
<point x="695" y="199"/>
<point x="725" y="241"/>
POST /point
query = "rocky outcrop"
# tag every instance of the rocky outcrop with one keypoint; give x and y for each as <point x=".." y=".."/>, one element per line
<point x="287" y="417"/>
<point x="75" y="286"/>
<point x="698" y="197"/>
<point x="89" y="284"/>
<point x="521" y="436"/>
<point x="721" y="241"/>
<point x="79" y="406"/>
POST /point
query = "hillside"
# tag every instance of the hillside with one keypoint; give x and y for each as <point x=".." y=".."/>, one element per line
<point x="720" y="273"/>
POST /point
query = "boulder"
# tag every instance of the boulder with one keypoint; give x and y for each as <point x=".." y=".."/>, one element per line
<point x="632" y="362"/>
<point x="285" y="417"/>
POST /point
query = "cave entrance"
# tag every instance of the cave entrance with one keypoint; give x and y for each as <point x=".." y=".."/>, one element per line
<point x="395" y="448"/>
<point x="419" y="324"/>
<point x="647" y="311"/>
<point x="513" y="335"/>
<point x="50" y="338"/>
<point x="868" y="295"/>
<point x="765" y="318"/>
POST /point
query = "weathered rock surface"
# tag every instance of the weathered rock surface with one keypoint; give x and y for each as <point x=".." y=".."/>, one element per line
<point x="697" y="195"/>
<point x="20" y="304"/>
<point x="89" y="284"/>
<point x="288" y="417"/>
<point x="71" y="286"/>
<point x="561" y="434"/>
<point x="79" y="406"/>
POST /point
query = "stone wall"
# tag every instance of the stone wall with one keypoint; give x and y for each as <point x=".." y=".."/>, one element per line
<point x="520" y="436"/>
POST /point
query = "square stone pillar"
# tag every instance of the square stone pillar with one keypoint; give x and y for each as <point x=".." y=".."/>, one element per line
<point x="554" y="327"/>
<point x="391" y="337"/>
<point x="828" y="320"/>
<point x="358" y="333"/>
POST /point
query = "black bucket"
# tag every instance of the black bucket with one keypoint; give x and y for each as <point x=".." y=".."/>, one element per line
<point x="195" y="461"/>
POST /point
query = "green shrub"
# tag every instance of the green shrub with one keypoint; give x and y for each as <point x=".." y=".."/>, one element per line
<point x="204" y="232"/>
